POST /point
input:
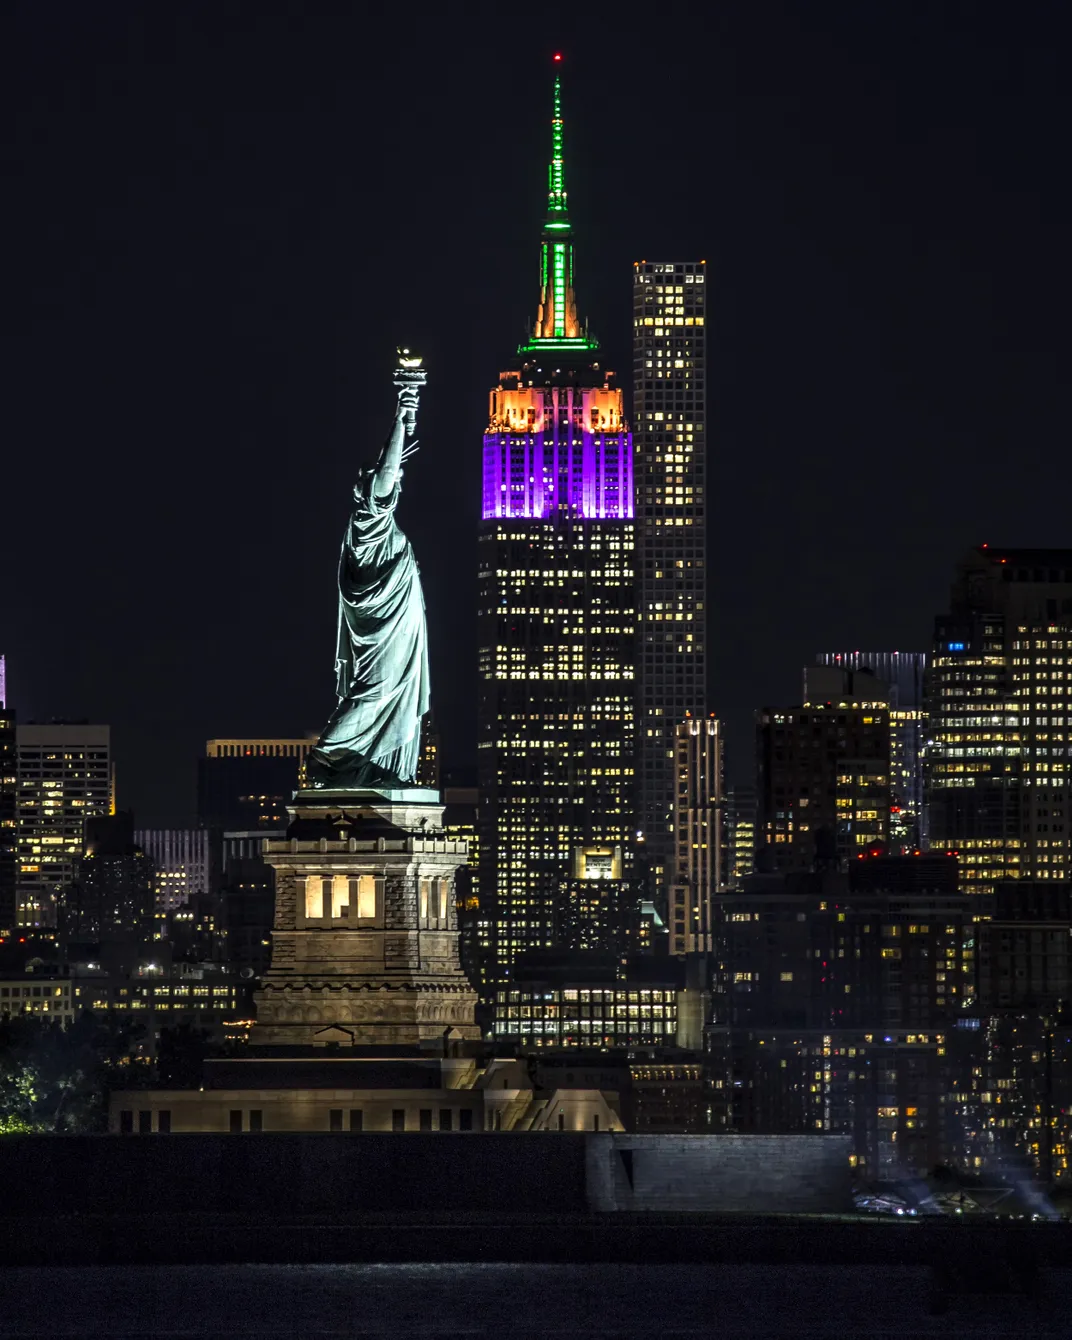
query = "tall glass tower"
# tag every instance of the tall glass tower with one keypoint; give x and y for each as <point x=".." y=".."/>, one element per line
<point x="669" y="415"/>
<point x="556" y="621"/>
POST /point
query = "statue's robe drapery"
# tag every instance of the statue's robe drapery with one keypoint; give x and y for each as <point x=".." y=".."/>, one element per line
<point x="381" y="658"/>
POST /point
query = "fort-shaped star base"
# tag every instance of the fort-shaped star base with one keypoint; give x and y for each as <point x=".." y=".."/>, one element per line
<point x="365" y="942"/>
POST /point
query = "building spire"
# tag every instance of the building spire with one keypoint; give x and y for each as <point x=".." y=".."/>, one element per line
<point x="557" y="210"/>
<point x="557" y="327"/>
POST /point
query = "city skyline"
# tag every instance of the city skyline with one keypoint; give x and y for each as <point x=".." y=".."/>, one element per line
<point x="644" y="457"/>
<point x="825" y="237"/>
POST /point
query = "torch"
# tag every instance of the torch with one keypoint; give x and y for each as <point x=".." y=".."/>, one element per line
<point x="410" y="373"/>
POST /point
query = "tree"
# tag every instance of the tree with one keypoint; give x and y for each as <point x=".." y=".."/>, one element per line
<point x="56" y="1079"/>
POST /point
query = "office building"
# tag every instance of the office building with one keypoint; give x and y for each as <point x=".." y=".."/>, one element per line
<point x="195" y="932"/>
<point x="428" y="759"/>
<point x="246" y="785"/>
<point x="669" y="423"/>
<point x="246" y="902"/>
<point x="556" y="620"/>
<point x="880" y="947"/>
<point x="894" y="1092"/>
<point x="837" y="1005"/>
<point x="153" y="994"/>
<point x="64" y="777"/>
<point x="698" y="835"/>
<point x="999" y="789"/>
<point x="9" y="855"/>
<point x="48" y="995"/>
<point x="1025" y="986"/>
<point x="903" y="672"/>
<point x="741" y="834"/>
<point x="180" y="858"/>
<point x="589" y="999"/>
<point x="823" y="771"/>
<point x="113" y="895"/>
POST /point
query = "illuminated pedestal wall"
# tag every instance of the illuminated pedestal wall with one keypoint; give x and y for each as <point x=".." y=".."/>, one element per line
<point x="365" y="941"/>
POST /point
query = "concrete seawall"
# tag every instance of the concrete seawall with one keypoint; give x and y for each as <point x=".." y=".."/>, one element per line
<point x="296" y="1174"/>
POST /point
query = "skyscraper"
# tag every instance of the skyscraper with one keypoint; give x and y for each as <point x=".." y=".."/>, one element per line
<point x="669" y="416"/>
<point x="698" y="837"/>
<point x="823" y="771"/>
<point x="999" y="759"/>
<point x="556" y="612"/>
<point x="64" y="778"/>
<point x="903" y="672"/>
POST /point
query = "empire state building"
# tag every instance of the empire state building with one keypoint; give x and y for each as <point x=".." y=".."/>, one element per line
<point x="557" y="627"/>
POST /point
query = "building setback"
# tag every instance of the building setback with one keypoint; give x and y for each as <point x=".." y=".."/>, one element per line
<point x="669" y="423"/>
<point x="556" y="619"/>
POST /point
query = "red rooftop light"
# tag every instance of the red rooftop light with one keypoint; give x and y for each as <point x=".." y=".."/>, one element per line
<point x="558" y="55"/>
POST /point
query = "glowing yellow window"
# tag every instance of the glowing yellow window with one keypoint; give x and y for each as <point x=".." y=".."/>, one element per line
<point x="314" y="896"/>
<point x="366" y="896"/>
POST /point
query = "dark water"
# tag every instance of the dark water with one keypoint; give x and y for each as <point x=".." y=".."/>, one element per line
<point x="510" y="1302"/>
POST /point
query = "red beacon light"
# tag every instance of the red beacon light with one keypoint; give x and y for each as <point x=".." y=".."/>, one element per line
<point x="558" y="55"/>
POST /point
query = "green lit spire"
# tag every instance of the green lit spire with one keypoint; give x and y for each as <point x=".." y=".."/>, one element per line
<point x="557" y="213"/>
<point x="557" y="327"/>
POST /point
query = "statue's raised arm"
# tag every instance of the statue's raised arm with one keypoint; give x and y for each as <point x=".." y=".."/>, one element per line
<point x="372" y="741"/>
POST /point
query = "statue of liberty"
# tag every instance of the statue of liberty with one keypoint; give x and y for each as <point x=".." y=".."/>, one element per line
<point x="372" y="741"/>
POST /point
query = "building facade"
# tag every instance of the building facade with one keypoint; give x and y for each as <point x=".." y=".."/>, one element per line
<point x="589" y="999"/>
<point x="112" y="897"/>
<point x="365" y="939"/>
<point x="180" y="858"/>
<point x="9" y="847"/>
<point x="904" y="673"/>
<point x="823" y="771"/>
<point x="246" y="785"/>
<point x="741" y="833"/>
<point x="64" y="777"/>
<point x="999" y="759"/>
<point x="698" y="835"/>
<point x="669" y="424"/>
<point x="556" y="619"/>
<point x="1025" y="1010"/>
<point x="837" y="1006"/>
<point x="49" y="996"/>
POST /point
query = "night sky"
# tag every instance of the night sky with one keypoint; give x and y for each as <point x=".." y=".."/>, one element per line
<point x="227" y="216"/>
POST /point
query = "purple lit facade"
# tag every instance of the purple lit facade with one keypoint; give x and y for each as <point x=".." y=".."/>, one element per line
<point x="557" y="443"/>
<point x="535" y="474"/>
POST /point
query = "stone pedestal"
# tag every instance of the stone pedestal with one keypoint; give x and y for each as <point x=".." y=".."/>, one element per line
<point x="365" y="942"/>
